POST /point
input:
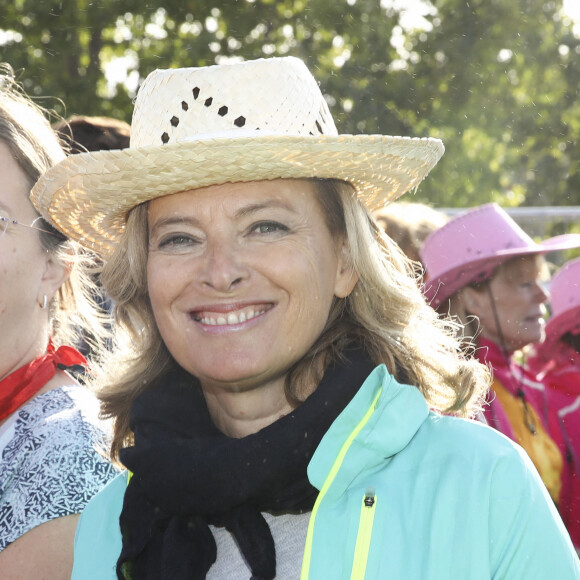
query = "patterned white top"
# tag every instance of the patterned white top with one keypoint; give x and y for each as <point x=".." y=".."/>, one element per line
<point x="52" y="460"/>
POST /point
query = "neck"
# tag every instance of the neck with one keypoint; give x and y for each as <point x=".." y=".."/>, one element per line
<point x="241" y="413"/>
<point x="22" y="356"/>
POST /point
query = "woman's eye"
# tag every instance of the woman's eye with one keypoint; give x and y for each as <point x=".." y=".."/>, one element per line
<point x="269" y="228"/>
<point x="176" y="242"/>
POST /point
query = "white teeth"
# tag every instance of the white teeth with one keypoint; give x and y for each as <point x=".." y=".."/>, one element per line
<point x="231" y="318"/>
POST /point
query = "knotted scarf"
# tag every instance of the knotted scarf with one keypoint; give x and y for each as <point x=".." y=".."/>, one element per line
<point x="21" y="385"/>
<point x="188" y="475"/>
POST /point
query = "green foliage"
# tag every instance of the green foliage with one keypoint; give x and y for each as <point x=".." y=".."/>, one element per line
<point x="496" y="80"/>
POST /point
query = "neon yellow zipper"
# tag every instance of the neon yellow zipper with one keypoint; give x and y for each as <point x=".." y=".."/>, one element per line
<point x="305" y="573"/>
<point x="364" y="534"/>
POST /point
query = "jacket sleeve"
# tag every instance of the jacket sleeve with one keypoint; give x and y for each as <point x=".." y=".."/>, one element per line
<point x="527" y="537"/>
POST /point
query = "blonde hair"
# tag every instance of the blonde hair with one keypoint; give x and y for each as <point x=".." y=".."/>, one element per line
<point x="386" y="313"/>
<point x="33" y="144"/>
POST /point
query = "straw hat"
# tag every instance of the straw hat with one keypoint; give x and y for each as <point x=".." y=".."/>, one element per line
<point x="470" y="246"/>
<point x="564" y="301"/>
<point x="194" y="127"/>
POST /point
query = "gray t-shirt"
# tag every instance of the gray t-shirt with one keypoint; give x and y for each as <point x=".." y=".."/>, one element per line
<point x="289" y="533"/>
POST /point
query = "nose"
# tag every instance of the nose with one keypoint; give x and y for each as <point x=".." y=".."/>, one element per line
<point x="542" y="295"/>
<point x="224" y="266"/>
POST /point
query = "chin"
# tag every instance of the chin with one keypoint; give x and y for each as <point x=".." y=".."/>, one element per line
<point x="530" y="337"/>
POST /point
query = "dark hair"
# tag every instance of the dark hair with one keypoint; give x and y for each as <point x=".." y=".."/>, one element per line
<point x="572" y="340"/>
<point x="81" y="133"/>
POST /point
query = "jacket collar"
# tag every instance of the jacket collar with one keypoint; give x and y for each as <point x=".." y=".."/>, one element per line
<point x="379" y="422"/>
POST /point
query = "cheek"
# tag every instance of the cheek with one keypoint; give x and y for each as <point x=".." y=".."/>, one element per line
<point x="310" y="284"/>
<point x="21" y="270"/>
<point x="163" y="281"/>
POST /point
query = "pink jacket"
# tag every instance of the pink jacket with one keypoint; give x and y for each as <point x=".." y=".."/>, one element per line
<point x="517" y="406"/>
<point x="559" y="370"/>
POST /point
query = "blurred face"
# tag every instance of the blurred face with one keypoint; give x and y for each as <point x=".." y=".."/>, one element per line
<point x="519" y="301"/>
<point x="23" y="268"/>
<point x="241" y="279"/>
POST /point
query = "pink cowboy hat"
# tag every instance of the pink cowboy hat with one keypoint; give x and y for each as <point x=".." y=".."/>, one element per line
<point x="470" y="246"/>
<point x="565" y="301"/>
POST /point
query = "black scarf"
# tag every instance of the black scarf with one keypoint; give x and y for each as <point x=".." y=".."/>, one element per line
<point x="187" y="475"/>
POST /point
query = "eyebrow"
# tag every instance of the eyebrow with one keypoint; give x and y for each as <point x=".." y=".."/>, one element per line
<point x="242" y="212"/>
<point x="255" y="207"/>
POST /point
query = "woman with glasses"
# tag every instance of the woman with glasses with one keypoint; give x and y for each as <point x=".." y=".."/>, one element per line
<point x="50" y="435"/>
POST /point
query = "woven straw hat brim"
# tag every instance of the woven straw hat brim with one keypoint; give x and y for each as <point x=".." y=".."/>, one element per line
<point x="88" y="196"/>
<point x="443" y="285"/>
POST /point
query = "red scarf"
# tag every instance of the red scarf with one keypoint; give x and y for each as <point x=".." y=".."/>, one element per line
<point x="25" y="382"/>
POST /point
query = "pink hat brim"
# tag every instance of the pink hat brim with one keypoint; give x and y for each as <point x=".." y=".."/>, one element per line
<point x="559" y="324"/>
<point x="438" y="289"/>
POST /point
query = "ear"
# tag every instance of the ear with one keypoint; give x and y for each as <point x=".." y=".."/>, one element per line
<point x="54" y="276"/>
<point x="473" y="301"/>
<point x="346" y="276"/>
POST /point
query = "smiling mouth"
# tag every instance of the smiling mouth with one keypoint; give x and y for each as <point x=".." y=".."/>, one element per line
<point x="230" y="318"/>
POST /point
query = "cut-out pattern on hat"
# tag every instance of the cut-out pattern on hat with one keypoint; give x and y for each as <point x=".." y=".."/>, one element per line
<point x="319" y="123"/>
<point x="314" y="120"/>
<point x="222" y="112"/>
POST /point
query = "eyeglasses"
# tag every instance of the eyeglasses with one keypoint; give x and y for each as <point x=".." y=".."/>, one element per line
<point x="5" y="222"/>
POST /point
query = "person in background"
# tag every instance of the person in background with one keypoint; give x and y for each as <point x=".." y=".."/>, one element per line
<point x="556" y="361"/>
<point x="485" y="271"/>
<point x="409" y="224"/>
<point x="81" y="133"/>
<point x="50" y="434"/>
<point x="281" y="390"/>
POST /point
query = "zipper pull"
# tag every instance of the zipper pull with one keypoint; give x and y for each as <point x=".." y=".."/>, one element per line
<point x="370" y="495"/>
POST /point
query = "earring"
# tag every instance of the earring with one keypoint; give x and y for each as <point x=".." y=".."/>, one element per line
<point x="44" y="302"/>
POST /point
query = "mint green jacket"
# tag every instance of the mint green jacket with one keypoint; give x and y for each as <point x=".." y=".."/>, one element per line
<point x="405" y="494"/>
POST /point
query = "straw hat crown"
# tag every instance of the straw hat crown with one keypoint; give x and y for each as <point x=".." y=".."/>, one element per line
<point x="236" y="122"/>
<point x="179" y="105"/>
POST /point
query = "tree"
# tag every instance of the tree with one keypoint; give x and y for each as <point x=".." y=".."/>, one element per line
<point x="496" y="80"/>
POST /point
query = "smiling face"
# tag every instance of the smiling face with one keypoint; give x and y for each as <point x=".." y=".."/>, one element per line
<point x="241" y="279"/>
<point x="519" y="301"/>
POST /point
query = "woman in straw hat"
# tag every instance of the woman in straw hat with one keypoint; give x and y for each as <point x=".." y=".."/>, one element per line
<point x="556" y="361"/>
<point x="279" y="397"/>
<point x="484" y="269"/>
<point x="50" y="435"/>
